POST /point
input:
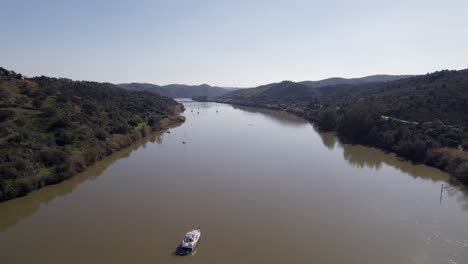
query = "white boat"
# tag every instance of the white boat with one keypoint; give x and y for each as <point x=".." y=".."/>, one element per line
<point x="190" y="241"/>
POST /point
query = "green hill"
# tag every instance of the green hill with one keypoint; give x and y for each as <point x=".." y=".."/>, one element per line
<point x="440" y="95"/>
<point x="271" y="94"/>
<point x="288" y="92"/>
<point x="177" y="90"/>
<point x="362" y="80"/>
<point x="52" y="128"/>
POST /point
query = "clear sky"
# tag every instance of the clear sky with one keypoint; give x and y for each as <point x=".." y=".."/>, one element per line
<point x="231" y="43"/>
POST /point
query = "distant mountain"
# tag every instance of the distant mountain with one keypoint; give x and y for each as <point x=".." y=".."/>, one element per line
<point x="362" y="80"/>
<point x="306" y="91"/>
<point x="232" y="89"/>
<point x="177" y="90"/>
<point x="283" y="91"/>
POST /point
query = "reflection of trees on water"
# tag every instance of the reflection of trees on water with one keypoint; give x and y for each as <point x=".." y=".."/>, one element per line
<point x="275" y="115"/>
<point x="195" y="105"/>
<point x="14" y="210"/>
<point x="328" y="140"/>
<point x="456" y="189"/>
<point x="367" y="157"/>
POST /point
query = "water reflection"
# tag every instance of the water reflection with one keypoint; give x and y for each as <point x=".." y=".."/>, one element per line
<point x="277" y="116"/>
<point x="366" y="157"/>
<point x="14" y="210"/>
<point x="328" y="140"/>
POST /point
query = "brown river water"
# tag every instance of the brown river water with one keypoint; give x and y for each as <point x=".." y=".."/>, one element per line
<point x="264" y="186"/>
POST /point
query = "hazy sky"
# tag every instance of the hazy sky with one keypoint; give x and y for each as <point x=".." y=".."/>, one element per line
<point x="231" y="43"/>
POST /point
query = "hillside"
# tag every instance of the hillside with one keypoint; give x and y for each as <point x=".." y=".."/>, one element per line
<point x="50" y="128"/>
<point x="270" y="94"/>
<point x="288" y="92"/>
<point x="440" y="95"/>
<point x="362" y="80"/>
<point x="177" y="90"/>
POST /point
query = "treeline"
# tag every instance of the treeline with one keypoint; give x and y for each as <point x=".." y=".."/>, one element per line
<point x="176" y="90"/>
<point x="431" y="142"/>
<point x="51" y="128"/>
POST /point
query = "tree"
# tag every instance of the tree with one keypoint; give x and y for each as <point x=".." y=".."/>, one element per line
<point x="37" y="103"/>
<point x="327" y="118"/>
<point x="358" y="120"/>
<point x="6" y="114"/>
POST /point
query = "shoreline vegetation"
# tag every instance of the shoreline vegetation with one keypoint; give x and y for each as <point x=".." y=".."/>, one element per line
<point x="420" y="118"/>
<point x="53" y="128"/>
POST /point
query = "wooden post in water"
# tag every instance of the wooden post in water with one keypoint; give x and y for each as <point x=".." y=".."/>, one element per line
<point x="441" y="192"/>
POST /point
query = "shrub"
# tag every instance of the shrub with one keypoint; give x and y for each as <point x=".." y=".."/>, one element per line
<point x="452" y="160"/>
<point x="37" y="103"/>
<point x="6" y="114"/>
<point x="20" y="122"/>
<point x="51" y="157"/>
<point x="120" y="129"/>
<point x="8" y="189"/>
<point x="414" y="150"/>
<point x="24" y="185"/>
<point x="462" y="172"/>
<point x="101" y="134"/>
<point x="60" y="123"/>
<point x="465" y="145"/>
<point x="153" y="121"/>
<point x="64" y="138"/>
<point x="132" y="123"/>
<point x="8" y="171"/>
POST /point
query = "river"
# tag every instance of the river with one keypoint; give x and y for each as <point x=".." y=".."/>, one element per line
<point x="264" y="186"/>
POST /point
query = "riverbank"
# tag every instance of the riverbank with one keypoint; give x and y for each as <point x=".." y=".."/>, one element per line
<point x="360" y="124"/>
<point x="116" y="142"/>
<point x="79" y="161"/>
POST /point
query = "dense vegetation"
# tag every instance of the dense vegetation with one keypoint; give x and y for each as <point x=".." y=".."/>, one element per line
<point x="52" y="128"/>
<point x="422" y="118"/>
<point x="177" y="90"/>
<point x="362" y="80"/>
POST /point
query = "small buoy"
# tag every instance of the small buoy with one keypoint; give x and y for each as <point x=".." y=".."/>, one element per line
<point x="184" y="141"/>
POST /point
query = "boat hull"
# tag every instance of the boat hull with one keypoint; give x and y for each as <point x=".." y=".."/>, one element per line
<point x="183" y="251"/>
